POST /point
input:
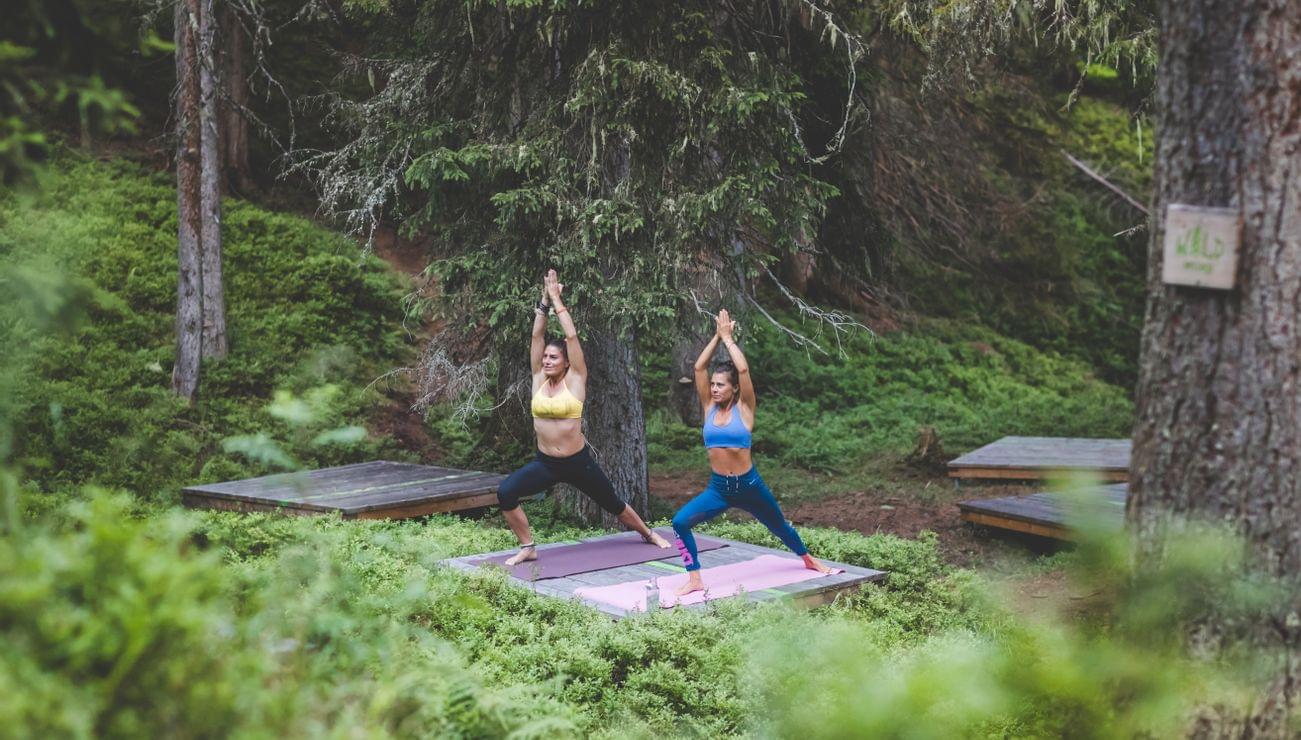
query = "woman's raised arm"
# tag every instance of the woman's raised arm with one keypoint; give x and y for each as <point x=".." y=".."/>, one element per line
<point x="702" y="372"/>
<point x="538" y="343"/>
<point x="577" y="363"/>
<point x="725" y="328"/>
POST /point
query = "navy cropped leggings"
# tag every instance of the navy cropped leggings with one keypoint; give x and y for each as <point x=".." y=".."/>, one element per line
<point x="578" y="470"/>
<point x="747" y="492"/>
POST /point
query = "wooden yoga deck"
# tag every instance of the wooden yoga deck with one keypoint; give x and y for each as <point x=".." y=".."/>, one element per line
<point x="372" y="490"/>
<point x="1048" y="514"/>
<point x="1036" y="458"/>
<point x="808" y="593"/>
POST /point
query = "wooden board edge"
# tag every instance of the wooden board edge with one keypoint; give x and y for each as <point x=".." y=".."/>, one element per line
<point x="1040" y="529"/>
<point x="1112" y="475"/>
<point x="192" y="500"/>
<point x="423" y="508"/>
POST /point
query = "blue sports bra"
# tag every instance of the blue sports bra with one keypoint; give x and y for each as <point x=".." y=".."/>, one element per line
<point x="733" y="435"/>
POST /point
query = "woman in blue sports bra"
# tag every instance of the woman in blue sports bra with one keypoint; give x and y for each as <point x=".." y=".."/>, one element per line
<point x="727" y="396"/>
<point x="563" y="456"/>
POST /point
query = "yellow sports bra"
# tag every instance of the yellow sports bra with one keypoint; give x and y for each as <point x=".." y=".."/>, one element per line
<point x="563" y="405"/>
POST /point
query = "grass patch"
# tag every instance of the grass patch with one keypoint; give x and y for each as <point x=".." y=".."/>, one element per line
<point x="306" y="314"/>
<point x="837" y="423"/>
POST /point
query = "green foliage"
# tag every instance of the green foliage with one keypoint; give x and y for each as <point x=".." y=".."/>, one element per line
<point x="117" y="626"/>
<point x="121" y="620"/>
<point x="1124" y="672"/>
<point x="960" y="36"/>
<point x="112" y="628"/>
<point x="62" y="61"/>
<point x="624" y="144"/>
<point x="1065" y="273"/>
<point x="94" y="404"/>
<point x="971" y="384"/>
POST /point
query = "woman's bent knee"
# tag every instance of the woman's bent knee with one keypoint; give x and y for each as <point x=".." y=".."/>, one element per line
<point x="681" y="523"/>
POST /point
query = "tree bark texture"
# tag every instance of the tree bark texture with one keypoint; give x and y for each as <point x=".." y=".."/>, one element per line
<point x="1218" y="434"/>
<point x="716" y="287"/>
<point x="616" y="426"/>
<point x="189" y="304"/>
<point x="214" y="300"/>
<point x="233" y="58"/>
<point x="682" y="384"/>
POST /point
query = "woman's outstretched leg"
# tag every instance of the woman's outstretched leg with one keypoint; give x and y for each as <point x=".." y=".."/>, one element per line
<point x="632" y="520"/>
<point x="529" y="480"/>
<point x="705" y="506"/>
<point x="587" y="476"/>
<point x="758" y="500"/>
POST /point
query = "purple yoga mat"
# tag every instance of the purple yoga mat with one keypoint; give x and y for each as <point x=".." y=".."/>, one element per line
<point x="765" y="571"/>
<point x="624" y="549"/>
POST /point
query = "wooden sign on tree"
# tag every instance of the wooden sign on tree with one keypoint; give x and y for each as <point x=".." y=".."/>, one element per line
<point x="1201" y="246"/>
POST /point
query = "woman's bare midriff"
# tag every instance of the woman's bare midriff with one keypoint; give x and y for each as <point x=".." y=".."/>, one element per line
<point x="559" y="437"/>
<point x="730" y="460"/>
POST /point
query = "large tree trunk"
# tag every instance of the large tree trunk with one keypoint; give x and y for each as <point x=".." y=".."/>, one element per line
<point x="214" y="300"/>
<point x="713" y="288"/>
<point x="683" y="400"/>
<point x="614" y="419"/>
<point x="233" y="124"/>
<point x="189" y="304"/>
<point x="1218" y="434"/>
<point x="616" y="426"/>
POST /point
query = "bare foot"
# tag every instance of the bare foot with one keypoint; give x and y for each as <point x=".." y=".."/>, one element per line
<point x="694" y="583"/>
<point x="526" y="552"/>
<point x="656" y="540"/>
<point x="812" y="563"/>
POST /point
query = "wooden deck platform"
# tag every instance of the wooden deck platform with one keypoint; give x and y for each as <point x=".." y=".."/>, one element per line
<point x="808" y="593"/>
<point x="1046" y="514"/>
<point x="372" y="490"/>
<point x="1036" y="458"/>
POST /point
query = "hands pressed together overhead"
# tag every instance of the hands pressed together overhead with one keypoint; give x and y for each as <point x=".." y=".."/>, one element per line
<point x="724" y="325"/>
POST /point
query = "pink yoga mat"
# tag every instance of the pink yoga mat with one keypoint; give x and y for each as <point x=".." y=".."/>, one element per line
<point x="583" y="557"/>
<point x="765" y="571"/>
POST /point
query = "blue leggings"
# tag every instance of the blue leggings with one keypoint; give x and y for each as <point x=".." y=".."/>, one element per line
<point x="747" y="492"/>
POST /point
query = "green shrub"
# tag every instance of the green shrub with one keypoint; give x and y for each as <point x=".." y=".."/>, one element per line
<point x="122" y="623"/>
<point x="834" y="414"/>
<point x="114" y="627"/>
<point x="95" y="406"/>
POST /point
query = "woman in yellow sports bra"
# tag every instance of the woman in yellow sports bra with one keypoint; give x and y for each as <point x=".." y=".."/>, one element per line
<point x="563" y="456"/>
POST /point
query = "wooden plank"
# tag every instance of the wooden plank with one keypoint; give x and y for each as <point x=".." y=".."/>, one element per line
<point x="288" y="482"/>
<point x="485" y="483"/>
<point x="1017" y="525"/>
<point x="1033" y="473"/>
<point x="1033" y="458"/>
<point x="328" y="480"/>
<point x="1046" y="514"/>
<point x="202" y="501"/>
<point x="434" y="485"/>
<point x="379" y="489"/>
<point x="426" y="508"/>
<point x="397" y="511"/>
<point x="809" y="593"/>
